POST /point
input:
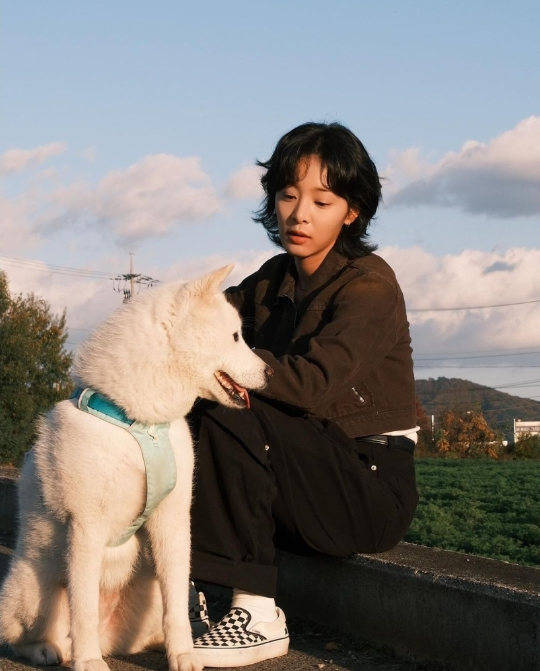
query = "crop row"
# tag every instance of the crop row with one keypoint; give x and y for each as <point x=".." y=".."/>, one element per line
<point x="485" y="508"/>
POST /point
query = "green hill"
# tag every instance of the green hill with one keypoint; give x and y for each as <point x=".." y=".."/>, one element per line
<point x="498" y="408"/>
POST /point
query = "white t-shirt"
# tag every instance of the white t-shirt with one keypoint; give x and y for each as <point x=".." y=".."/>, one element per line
<point x="411" y="434"/>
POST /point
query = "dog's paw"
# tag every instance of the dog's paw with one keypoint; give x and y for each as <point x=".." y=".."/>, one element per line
<point x="43" y="654"/>
<point x="186" y="662"/>
<point x="91" y="665"/>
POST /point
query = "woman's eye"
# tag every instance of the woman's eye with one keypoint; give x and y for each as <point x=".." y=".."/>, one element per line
<point x="236" y="336"/>
<point x="287" y="196"/>
<point x="321" y="204"/>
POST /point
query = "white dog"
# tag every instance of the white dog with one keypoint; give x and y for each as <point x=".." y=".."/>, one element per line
<point x="72" y="593"/>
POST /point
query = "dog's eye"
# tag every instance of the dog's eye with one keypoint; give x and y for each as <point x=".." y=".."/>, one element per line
<point x="236" y="336"/>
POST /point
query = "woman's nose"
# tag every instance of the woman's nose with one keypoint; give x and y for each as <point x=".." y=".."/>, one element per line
<point x="300" y="212"/>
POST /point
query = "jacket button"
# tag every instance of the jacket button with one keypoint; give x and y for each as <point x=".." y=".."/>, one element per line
<point x="267" y="447"/>
<point x="373" y="467"/>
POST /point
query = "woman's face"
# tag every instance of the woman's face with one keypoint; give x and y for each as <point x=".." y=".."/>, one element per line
<point x="310" y="216"/>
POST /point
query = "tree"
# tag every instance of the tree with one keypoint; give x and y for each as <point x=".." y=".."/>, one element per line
<point x="467" y="434"/>
<point x="527" y="447"/>
<point x="34" y="368"/>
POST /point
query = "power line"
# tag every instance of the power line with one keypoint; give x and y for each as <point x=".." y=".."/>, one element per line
<point x="96" y="274"/>
<point x="517" y="385"/>
<point x="120" y="282"/>
<point x="476" y="356"/>
<point x="55" y="270"/>
<point x="505" y="350"/>
<point x="445" y="406"/>
<point x="469" y="367"/>
<point x="509" y="407"/>
<point x="482" y="388"/>
<point x="471" y="307"/>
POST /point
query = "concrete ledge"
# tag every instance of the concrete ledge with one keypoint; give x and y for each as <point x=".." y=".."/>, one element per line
<point x="460" y="611"/>
<point x="425" y="604"/>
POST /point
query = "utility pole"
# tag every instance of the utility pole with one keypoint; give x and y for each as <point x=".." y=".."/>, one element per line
<point x="121" y="282"/>
<point x="131" y="278"/>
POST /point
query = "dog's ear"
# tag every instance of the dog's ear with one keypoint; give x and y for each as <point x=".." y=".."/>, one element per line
<point x="210" y="284"/>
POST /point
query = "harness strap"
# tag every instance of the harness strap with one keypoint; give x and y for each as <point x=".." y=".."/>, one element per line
<point x="158" y="457"/>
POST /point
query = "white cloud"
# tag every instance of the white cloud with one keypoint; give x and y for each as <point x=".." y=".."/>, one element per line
<point x="245" y="263"/>
<point x="148" y="199"/>
<point x="12" y="234"/>
<point x="16" y="233"/>
<point x="500" y="178"/>
<point x="17" y="160"/>
<point x="245" y="183"/>
<point x="89" y="301"/>
<point x="471" y="278"/>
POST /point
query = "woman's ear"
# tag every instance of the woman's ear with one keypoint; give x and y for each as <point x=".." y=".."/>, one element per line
<point x="351" y="216"/>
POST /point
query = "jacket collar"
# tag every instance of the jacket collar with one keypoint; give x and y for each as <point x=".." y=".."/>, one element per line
<point x="331" y="265"/>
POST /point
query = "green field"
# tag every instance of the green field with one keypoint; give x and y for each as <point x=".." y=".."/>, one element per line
<point x="485" y="508"/>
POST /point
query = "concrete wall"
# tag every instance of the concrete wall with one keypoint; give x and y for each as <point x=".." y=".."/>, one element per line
<point x="425" y="604"/>
<point x="8" y="498"/>
<point x="464" y="612"/>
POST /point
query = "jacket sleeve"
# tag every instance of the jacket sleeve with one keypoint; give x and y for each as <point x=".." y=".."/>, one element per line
<point x="361" y="332"/>
<point x="235" y="296"/>
<point x="242" y="298"/>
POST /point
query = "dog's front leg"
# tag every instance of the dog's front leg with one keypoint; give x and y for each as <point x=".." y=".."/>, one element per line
<point x="169" y="531"/>
<point x="85" y="555"/>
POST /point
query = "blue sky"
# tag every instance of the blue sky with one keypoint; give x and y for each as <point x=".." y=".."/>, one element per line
<point x="134" y="126"/>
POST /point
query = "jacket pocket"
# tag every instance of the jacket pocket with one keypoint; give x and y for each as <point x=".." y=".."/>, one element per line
<point x="355" y="399"/>
<point x="363" y="396"/>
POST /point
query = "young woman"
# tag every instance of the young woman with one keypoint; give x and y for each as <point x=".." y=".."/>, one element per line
<point x="322" y="462"/>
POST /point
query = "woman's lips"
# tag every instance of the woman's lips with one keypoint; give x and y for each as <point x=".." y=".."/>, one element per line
<point x="296" y="237"/>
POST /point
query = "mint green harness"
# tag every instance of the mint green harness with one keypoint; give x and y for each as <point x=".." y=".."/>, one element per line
<point x="159" y="461"/>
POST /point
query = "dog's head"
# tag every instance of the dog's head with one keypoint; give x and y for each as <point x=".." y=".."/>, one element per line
<point x="170" y="345"/>
<point x="220" y="362"/>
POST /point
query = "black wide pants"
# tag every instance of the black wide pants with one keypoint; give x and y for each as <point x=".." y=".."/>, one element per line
<point x="266" y="478"/>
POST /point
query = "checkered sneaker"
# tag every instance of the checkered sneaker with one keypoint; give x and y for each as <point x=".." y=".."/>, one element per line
<point x="231" y="630"/>
<point x="198" y="612"/>
<point x="237" y="641"/>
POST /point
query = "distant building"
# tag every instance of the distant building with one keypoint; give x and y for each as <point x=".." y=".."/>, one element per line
<point x="522" y="428"/>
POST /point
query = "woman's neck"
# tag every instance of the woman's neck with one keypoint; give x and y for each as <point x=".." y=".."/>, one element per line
<point x="306" y="267"/>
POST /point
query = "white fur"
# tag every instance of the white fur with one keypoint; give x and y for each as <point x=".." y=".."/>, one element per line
<point x="67" y="595"/>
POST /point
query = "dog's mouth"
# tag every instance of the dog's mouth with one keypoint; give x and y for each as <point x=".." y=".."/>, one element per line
<point x="236" y="393"/>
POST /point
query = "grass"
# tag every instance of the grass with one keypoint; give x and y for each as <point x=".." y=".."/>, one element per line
<point x="486" y="508"/>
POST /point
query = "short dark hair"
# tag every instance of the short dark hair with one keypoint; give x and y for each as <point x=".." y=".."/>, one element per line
<point x="350" y="174"/>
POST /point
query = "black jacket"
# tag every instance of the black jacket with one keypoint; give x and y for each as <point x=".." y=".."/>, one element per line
<point x="343" y="353"/>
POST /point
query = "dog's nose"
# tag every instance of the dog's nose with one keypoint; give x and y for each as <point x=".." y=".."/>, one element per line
<point x="268" y="372"/>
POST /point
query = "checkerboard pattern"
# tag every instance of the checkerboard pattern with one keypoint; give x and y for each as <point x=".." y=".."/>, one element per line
<point x="198" y="613"/>
<point x="231" y="631"/>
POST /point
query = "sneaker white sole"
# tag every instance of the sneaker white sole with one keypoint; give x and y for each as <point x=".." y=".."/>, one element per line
<point x="244" y="656"/>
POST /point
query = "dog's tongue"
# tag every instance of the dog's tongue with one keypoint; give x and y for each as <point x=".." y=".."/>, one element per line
<point x="243" y="393"/>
